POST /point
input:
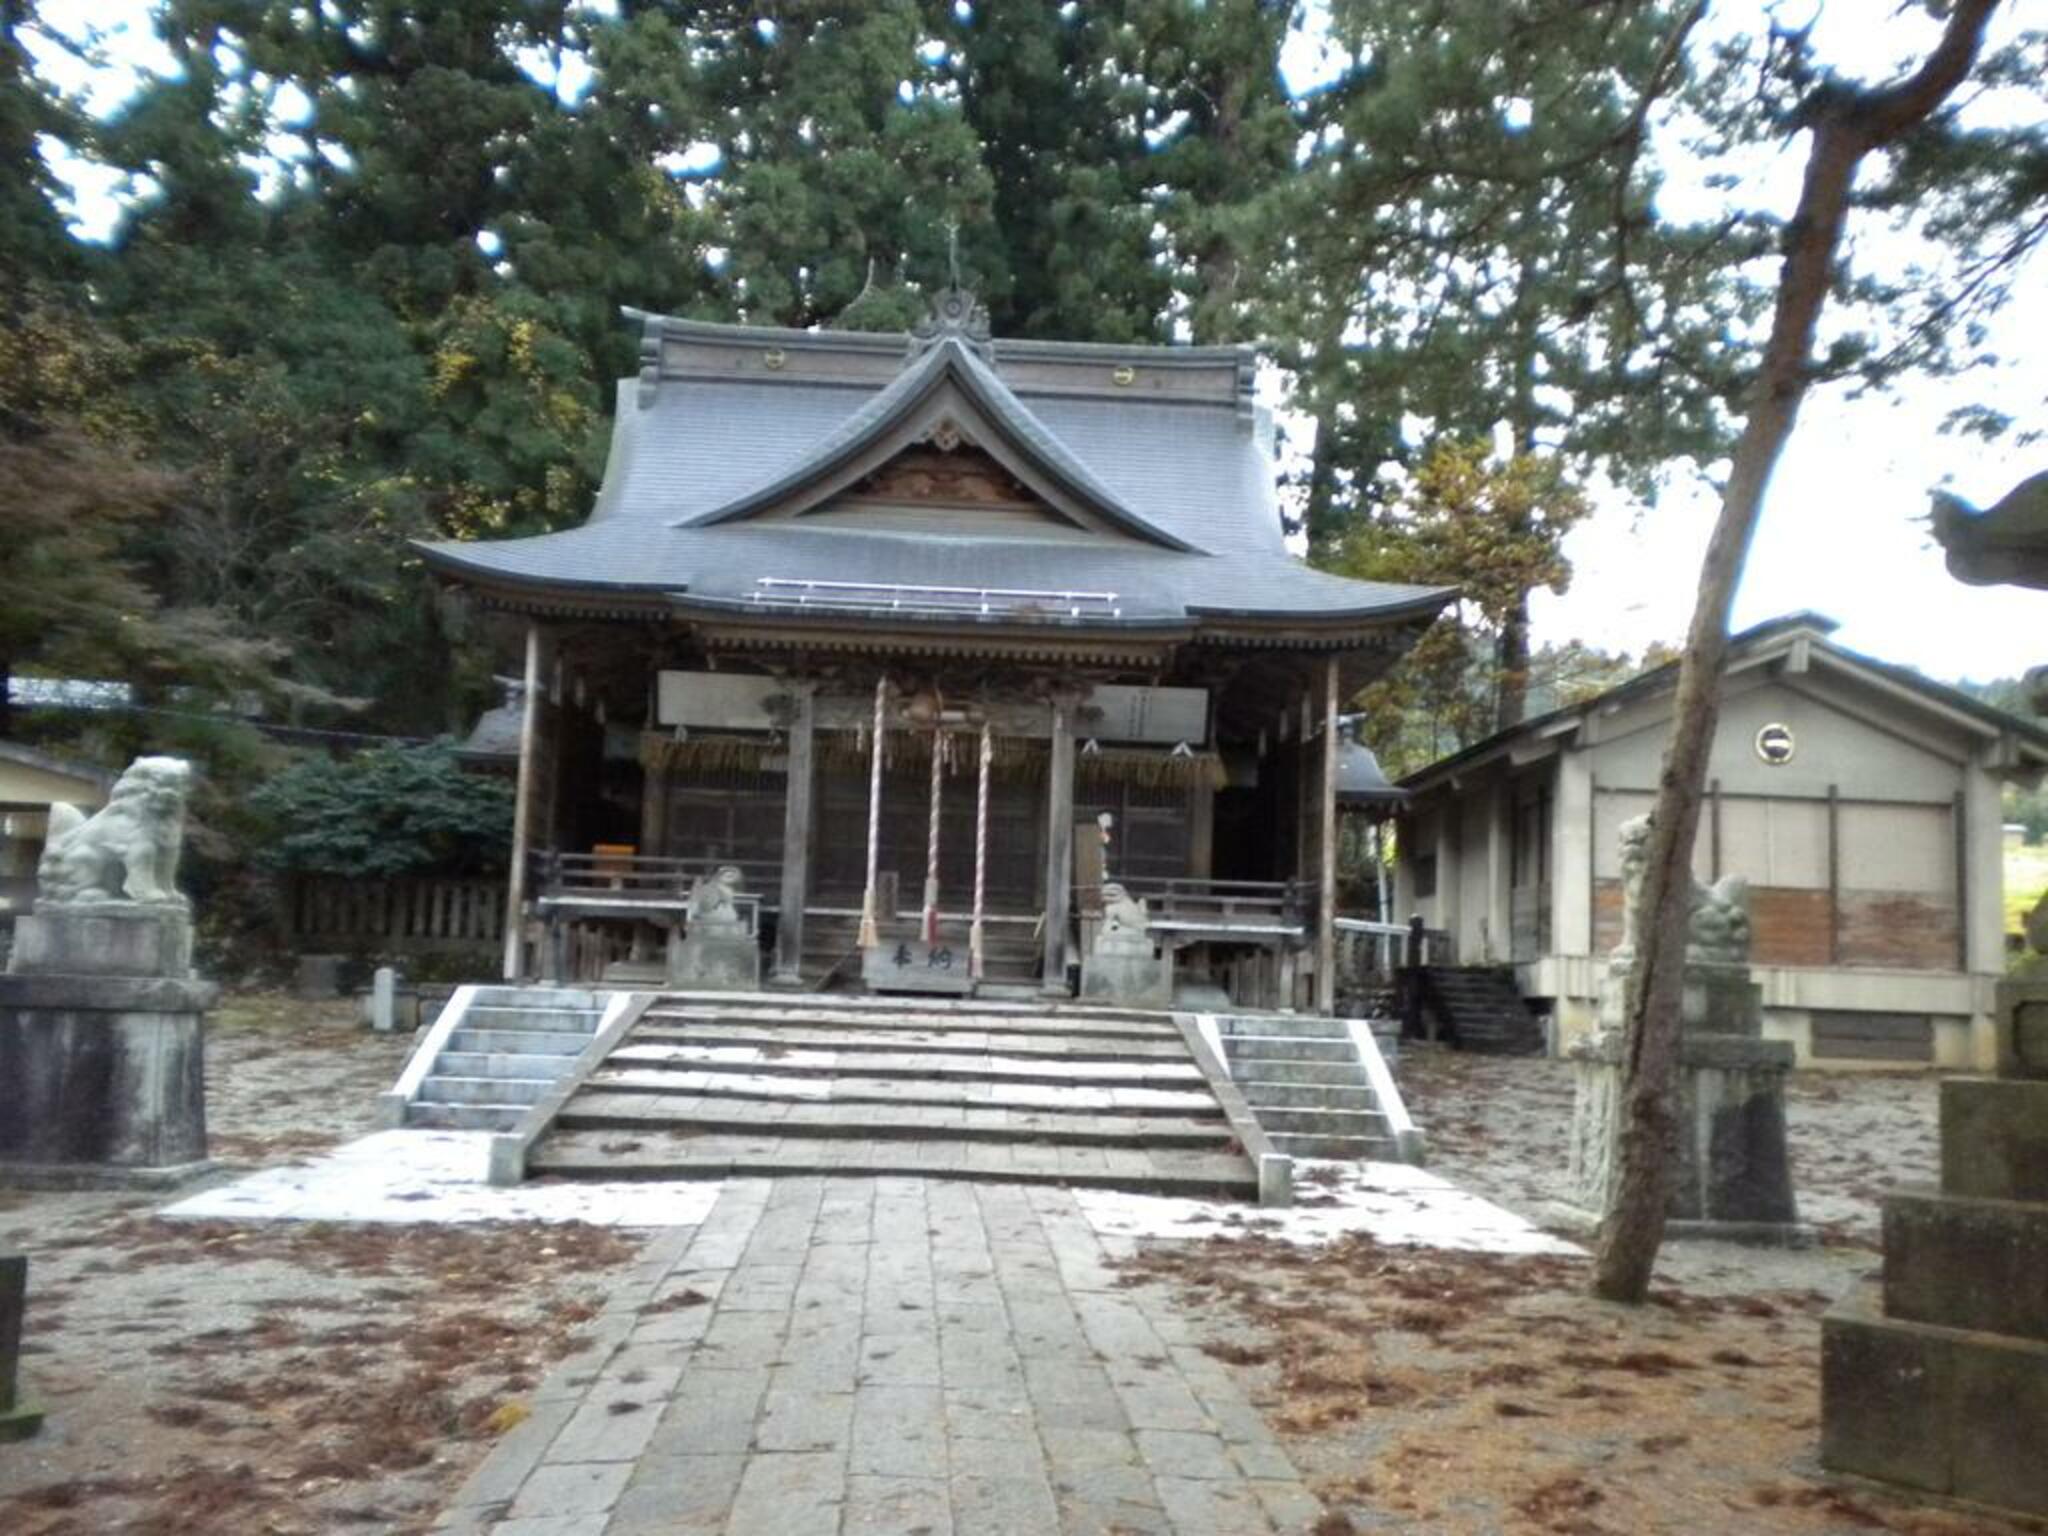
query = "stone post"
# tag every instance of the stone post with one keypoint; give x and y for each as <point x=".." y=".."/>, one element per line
<point x="17" y="1419"/>
<point x="384" y="1000"/>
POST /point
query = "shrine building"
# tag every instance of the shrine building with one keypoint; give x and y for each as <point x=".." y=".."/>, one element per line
<point x="932" y="638"/>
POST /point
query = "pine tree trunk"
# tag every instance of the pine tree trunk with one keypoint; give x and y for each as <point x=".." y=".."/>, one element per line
<point x="1511" y="664"/>
<point x="1845" y="127"/>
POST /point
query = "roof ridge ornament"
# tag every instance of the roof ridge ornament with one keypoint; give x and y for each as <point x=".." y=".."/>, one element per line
<point x="956" y="314"/>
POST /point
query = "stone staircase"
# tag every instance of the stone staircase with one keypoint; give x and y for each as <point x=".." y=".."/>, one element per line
<point x="1481" y="1010"/>
<point x="704" y="1087"/>
<point x="508" y="1048"/>
<point x="1304" y="1082"/>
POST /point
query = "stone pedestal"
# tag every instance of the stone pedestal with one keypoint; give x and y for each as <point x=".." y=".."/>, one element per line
<point x="103" y="939"/>
<point x="715" y="962"/>
<point x="102" y="1047"/>
<point x="1731" y="1175"/>
<point x="1132" y="979"/>
<point x="1935" y="1372"/>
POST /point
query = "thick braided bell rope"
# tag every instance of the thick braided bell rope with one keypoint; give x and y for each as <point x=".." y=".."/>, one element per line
<point x="980" y="853"/>
<point x="931" y="839"/>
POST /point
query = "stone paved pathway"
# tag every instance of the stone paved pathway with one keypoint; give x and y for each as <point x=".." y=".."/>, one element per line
<point x="898" y="1356"/>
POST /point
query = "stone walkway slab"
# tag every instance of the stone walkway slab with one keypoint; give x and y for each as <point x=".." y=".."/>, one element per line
<point x="826" y="1356"/>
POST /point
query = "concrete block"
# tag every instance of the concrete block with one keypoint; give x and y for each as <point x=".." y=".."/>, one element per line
<point x="1994" y="1138"/>
<point x="1967" y="1263"/>
<point x="2021" y="1016"/>
<point x="1276" y="1179"/>
<point x="1879" y="1384"/>
<point x="1947" y="1410"/>
<point x="1999" y="1423"/>
<point x="318" y="978"/>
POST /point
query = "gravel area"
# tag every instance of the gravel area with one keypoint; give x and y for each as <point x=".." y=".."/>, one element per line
<point x="1421" y="1390"/>
<point x="290" y="1378"/>
<point x="208" y="1377"/>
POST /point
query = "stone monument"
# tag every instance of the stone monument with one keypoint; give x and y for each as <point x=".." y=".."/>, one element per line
<point x="1731" y="1176"/>
<point x="719" y="951"/>
<point x="102" y="1029"/>
<point x="1934" y="1371"/>
<point x="1124" y="965"/>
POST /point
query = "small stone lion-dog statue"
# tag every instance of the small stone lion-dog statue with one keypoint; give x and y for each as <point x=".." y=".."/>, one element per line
<point x="125" y="851"/>
<point x="1718" y="929"/>
<point x="712" y="907"/>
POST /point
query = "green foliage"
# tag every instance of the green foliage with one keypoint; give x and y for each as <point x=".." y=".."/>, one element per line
<point x="1494" y="529"/>
<point x="368" y="287"/>
<point x="1474" y="241"/>
<point x="390" y="811"/>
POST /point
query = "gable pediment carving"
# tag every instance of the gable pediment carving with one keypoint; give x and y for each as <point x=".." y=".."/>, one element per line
<point x="965" y="478"/>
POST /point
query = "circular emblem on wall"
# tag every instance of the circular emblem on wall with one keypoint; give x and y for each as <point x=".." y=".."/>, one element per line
<point x="1774" y="744"/>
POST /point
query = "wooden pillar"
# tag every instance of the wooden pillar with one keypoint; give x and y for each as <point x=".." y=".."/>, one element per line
<point x="1202" y="830"/>
<point x="1966" y="910"/>
<point x="1326" y="906"/>
<point x="870" y="933"/>
<point x="796" y="838"/>
<point x="1059" y="844"/>
<point x="1834" y="875"/>
<point x="522" y="802"/>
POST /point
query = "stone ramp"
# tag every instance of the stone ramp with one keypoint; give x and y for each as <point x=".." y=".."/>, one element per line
<point x="704" y="1088"/>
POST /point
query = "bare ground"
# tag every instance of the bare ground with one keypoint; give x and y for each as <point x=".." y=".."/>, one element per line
<point x="1448" y="1393"/>
<point x="277" y="1378"/>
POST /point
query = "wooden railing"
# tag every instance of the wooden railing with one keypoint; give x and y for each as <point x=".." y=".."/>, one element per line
<point x="404" y="914"/>
<point x="1253" y="909"/>
<point x="580" y="898"/>
<point x="627" y="881"/>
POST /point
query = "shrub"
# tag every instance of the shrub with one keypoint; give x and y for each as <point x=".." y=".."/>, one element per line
<point x="393" y="810"/>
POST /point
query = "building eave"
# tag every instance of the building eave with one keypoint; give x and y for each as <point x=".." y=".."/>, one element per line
<point x="1797" y="640"/>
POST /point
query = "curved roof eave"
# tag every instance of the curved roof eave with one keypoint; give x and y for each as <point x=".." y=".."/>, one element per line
<point x="949" y="359"/>
<point x="444" y="556"/>
<point x="1427" y="605"/>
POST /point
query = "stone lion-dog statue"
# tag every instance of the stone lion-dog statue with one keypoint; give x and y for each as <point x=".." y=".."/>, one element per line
<point x="128" y="849"/>
<point x="1717" y="930"/>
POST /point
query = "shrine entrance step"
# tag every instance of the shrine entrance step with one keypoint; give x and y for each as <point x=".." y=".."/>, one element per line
<point x="710" y="1088"/>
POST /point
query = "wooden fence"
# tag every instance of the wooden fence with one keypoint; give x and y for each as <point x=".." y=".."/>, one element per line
<point x="402" y="916"/>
